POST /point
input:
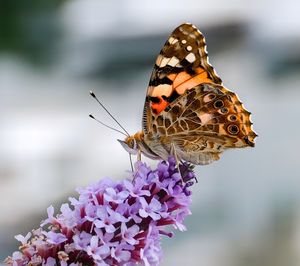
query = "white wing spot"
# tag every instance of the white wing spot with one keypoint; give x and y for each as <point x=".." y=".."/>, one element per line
<point x="172" y="40"/>
<point x="164" y="61"/>
<point x="189" y="48"/>
<point x="173" y="61"/>
<point x="191" y="57"/>
<point x="183" y="41"/>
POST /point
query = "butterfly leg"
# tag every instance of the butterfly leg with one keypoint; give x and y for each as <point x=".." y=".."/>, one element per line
<point x="131" y="164"/>
<point x="173" y="153"/>
<point x="139" y="158"/>
<point x="139" y="155"/>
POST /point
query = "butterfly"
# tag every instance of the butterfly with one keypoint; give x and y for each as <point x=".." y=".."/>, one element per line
<point x="188" y="113"/>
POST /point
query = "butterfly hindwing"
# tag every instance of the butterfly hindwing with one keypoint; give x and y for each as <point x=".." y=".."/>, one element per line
<point x="202" y="123"/>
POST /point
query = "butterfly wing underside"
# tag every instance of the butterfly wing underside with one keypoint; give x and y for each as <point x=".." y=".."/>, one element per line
<point x="187" y="106"/>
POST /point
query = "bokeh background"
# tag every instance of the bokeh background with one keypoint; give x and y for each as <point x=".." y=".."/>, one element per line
<point x="246" y="207"/>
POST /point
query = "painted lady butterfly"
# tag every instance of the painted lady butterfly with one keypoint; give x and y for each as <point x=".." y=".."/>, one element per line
<point x="188" y="112"/>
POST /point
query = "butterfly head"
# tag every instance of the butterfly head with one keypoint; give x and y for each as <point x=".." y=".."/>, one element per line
<point x="136" y="145"/>
<point x="130" y="144"/>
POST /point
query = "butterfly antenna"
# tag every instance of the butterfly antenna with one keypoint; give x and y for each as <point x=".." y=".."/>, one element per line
<point x="94" y="96"/>
<point x="91" y="116"/>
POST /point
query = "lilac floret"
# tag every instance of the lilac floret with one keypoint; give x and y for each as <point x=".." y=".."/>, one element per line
<point x="55" y="238"/>
<point x="151" y="209"/>
<point x="111" y="195"/>
<point x="113" y="223"/>
<point x="23" y="239"/>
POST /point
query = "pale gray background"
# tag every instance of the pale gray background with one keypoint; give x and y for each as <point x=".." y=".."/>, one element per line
<point x="245" y="207"/>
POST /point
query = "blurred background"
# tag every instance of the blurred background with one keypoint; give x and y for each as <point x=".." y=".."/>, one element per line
<point x="246" y="207"/>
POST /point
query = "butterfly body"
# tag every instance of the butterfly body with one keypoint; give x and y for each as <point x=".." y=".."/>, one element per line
<point x="188" y="112"/>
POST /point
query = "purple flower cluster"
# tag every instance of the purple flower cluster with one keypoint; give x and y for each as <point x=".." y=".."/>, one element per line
<point x="112" y="223"/>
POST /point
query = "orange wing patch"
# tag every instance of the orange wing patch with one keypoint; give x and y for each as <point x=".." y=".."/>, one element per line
<point x="184" y="81"/>
<point x="181" y="82"/>
<point x="158" y="107"/>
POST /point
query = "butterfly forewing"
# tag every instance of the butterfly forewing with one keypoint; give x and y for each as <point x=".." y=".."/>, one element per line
<point x="181" y="65"/>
